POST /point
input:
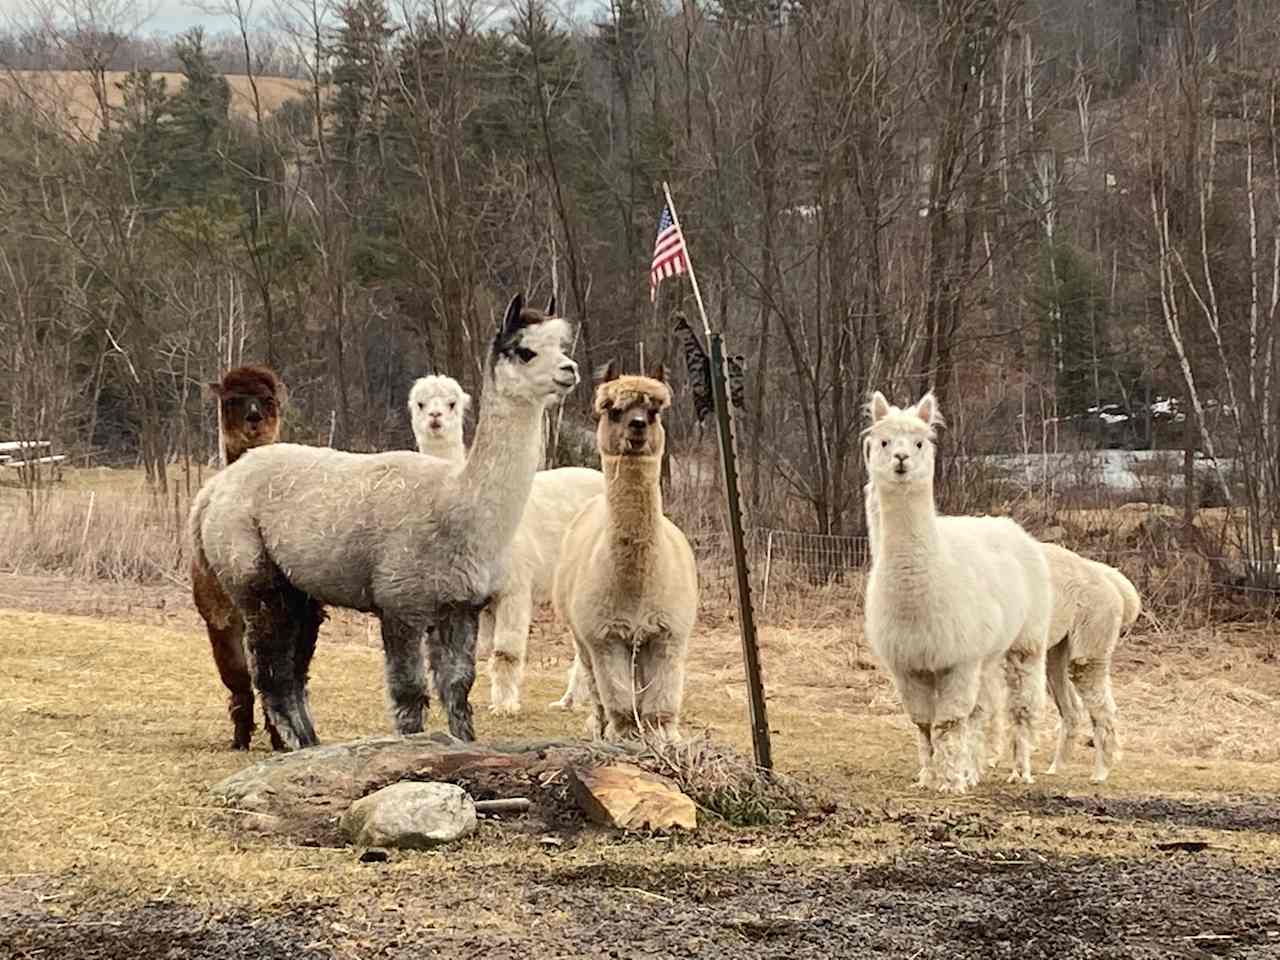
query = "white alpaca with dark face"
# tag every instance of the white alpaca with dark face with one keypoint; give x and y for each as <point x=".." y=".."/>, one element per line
<point x="437" y="408"/>
<point x="949" y="601"/>
<point x="288" y="529"/>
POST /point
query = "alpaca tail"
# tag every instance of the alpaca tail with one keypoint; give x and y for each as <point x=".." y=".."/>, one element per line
<point x="1132" y="602"/>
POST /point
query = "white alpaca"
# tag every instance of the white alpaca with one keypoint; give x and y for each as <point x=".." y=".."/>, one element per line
<point x="1093" y="603"/>
<point x="287" y="529"/>
<point x="437" y="407"/>
<point x="948" y="599"/>
<point x="627" y="584"/>
<point x="555" y="498"/>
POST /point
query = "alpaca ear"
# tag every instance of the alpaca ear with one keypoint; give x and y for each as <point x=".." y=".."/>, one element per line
<point x="879" y="407"/>
<point x="281" y="393"/>
<point x="511" y="322"/>
<point x="608" y="372"/>
<point x="214" y="390"/>
<point x="551" y="306"/>
<point x="659" y="373"/>
<point x="927" y="409"/>
<point x="465" y="400"/>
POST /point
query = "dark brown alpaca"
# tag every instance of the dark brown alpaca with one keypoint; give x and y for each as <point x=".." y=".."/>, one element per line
<point x="250" y="401"/>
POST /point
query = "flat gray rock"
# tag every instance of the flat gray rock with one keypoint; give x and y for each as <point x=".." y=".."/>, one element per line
<point x="410" y="816"/>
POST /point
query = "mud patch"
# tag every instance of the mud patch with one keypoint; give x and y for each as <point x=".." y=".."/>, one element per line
<point x="930" y="904"/>
<point x="1257" y="814"/>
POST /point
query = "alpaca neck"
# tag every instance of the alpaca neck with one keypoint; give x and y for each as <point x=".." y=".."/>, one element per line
<point x="445" y="447"/>
<point x="505" y="454"/>
<point x="906" y="530"/>
<point x="633" y="495"/>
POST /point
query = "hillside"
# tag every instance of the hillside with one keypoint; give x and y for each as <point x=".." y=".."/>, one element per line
<point x="68" y="92"/>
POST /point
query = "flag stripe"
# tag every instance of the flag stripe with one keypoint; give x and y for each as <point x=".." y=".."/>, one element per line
<point x="670" y="256"/>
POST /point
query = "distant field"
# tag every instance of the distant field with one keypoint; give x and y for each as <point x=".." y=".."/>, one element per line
<point x="68" y="93"/>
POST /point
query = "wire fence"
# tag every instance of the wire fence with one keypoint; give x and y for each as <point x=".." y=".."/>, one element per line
<point x="789" y="567"/>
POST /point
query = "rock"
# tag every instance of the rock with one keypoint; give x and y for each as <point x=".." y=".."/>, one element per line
<point x="410" y="816"/>
<point x="374" y="855"/>
<point x="624" y="796"/>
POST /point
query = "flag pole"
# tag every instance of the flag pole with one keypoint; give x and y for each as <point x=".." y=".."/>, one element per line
<point x="693" y="279"/>
<point x="760" y="741"/>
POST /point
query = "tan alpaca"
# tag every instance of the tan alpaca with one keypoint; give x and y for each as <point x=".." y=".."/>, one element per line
<point x="626" y="582"/>
<point x="1093" y="603"/>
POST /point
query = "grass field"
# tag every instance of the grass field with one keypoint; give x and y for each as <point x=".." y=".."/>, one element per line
<point x="112" y="728"/>
<point x="69" y="95"/>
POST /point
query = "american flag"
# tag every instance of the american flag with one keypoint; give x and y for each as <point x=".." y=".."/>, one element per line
<point x="669" y="254"/>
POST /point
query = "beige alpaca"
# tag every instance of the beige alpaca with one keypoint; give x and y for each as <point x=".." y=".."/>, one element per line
<point x="948" y="600"/>
<point x="626" y="583"/>
<point x="1093" y="603"/>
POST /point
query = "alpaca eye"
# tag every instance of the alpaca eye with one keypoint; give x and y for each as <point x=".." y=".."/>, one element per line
<point x="884" y="443"/>
<point x="919" y="444"/>
<point x="653" y="415"/>
<point x="452" y="404"/>
<point x="525" y="354"/>
<point x="615" y="415"/>
<point x="420" y="406"/>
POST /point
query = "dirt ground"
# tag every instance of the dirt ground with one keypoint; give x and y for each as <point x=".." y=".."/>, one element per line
<point x="112" y="728"/>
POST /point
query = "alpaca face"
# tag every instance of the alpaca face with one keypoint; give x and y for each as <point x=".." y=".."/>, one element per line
<point x="251" y="400"/>
<point x="529" y="358"/>
<point x="899" y="444"/>
<point x="630" y="412"/>
<point x="437" y="406"/>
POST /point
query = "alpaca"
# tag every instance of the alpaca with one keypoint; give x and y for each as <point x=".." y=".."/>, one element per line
<point x="437" y="406"/>
<point x="250" y="404"/>
<point x="1093" y="603"/>
<point x="412" y="539"/>
<point x="948" y="600"/>
<point x="626" y="583"/>
<point x="555" y="498"/>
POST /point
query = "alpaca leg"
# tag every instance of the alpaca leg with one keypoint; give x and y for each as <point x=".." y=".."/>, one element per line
<point x="660" y="687"/>
<point x="617" y="688"/>
<point x="951" y="732"/>
<point x="1065" y="697"/>
<point x="994" y="695"/>
<point x="575" y="690"/>
<point x="484" y="638"/>
<point x="405" y="675"/>
<point x="584" y="674"/>
<point x="308" y="615"/>
<point x="453" y="660"/>
<point x="924" y="747"/>
<point x="227" y="644"/>
<point x="915" y="690"/>
<point x="513" y="612"/>
<point x="273" y="637"/>
<point x="1025" y="672"/>
<point x="1093" y="678"/>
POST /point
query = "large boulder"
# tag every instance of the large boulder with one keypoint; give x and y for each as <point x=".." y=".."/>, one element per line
<point x="411" y="816"/>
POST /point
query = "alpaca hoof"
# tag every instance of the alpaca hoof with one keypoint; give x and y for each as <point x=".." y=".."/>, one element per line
<point x="505" y="709"/>
<point x="955" y="788"/>
<point x="1099" y="776"/>
<point x="1052" y="769"/>
<point x="564" y="703"/>
<point x="1016" y="777"/>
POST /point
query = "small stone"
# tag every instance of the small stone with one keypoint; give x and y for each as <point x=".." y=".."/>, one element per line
<point x="410" y="816"/>
<point x="374" y="856"/>
<point x="624" y="796"/>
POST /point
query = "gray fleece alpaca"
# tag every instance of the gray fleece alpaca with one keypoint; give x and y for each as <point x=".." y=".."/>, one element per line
<point x="406" y="537"/>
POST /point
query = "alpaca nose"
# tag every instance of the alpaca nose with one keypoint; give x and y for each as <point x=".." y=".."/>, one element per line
<point x="570" y="368"/>
<point x="901" y="457"/>
<point x="254" y="415"/>
<point x="637" y="424"/>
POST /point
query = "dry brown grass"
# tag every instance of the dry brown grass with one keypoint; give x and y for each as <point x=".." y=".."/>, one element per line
<point x="68" y="95"/>
<point x="110" y="734"/>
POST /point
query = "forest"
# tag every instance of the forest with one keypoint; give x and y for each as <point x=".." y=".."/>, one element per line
<point x="1062" y="217"/>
